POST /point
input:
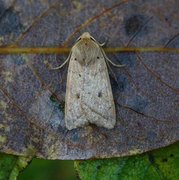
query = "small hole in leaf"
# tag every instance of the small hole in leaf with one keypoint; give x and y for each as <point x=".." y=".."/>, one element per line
<point x="164" y="160"/>
<point x="171" y="155"/>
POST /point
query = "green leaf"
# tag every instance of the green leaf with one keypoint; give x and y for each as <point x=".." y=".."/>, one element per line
<point x="158" y="164"/>
<point x="40" y="169"/>
<point x="11" y="165"/>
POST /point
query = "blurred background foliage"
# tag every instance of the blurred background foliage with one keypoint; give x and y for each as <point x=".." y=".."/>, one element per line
<point x="40" y="169"/>
<point x="159" y="164"/>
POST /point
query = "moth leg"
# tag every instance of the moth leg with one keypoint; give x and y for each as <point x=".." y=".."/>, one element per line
<point x="102" y="44"/>
<point x="113" y="74"/>
<point x="115" y="65"/>
<point x="58" y="67"/>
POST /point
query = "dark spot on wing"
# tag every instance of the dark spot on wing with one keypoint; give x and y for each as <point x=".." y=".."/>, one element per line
<point x="97" y="57"/>
<point x="79" y="75"/>
<point x="75" y="59"/>
<point x="77" y="95"/>
<point x="100" y="94"/>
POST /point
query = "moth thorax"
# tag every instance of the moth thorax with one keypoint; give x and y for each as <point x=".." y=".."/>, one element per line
<point x="86" y="58"/>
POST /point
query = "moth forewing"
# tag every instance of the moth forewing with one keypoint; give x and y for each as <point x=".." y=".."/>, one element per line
<point x="89" y="98"/>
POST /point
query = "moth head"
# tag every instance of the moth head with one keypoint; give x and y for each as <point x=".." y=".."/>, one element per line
<point x="86" y="36"/>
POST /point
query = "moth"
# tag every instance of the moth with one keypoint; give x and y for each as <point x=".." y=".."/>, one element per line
<point x="89" y="98"/>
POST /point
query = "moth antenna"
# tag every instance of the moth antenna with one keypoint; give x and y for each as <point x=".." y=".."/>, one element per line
<point x="100" y="44"/>
<point x="115" y="65"/>
<point x="59" y="67"/>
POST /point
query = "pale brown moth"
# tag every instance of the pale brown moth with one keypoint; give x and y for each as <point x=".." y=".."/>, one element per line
<point x="89" y="98"/>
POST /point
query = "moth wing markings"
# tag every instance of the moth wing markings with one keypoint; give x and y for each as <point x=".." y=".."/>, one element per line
<point x="98" y="102"/>
<point x="74" y="116"/>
